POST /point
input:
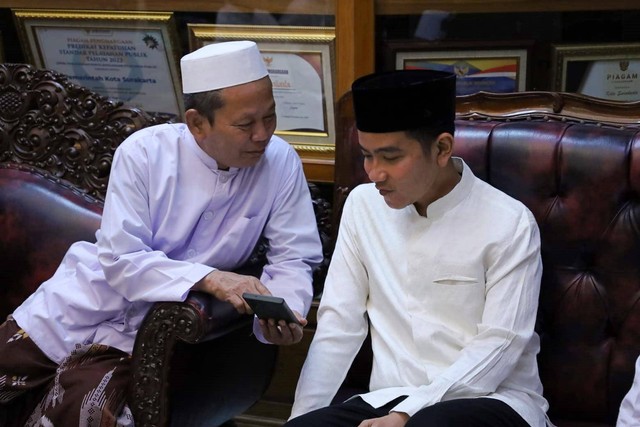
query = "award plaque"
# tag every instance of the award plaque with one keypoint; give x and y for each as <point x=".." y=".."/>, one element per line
<point x="300" y="64"/>
<point x="609" y="71"/>
<point x="498" y="68"/>
<point x="127" y="57"/>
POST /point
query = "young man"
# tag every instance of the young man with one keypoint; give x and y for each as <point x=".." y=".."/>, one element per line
<point x="440" y="268"/>
<point x="186" y="205"/>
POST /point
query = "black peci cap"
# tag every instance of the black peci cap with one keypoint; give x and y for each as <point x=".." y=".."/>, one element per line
<point x="405" y="100"/>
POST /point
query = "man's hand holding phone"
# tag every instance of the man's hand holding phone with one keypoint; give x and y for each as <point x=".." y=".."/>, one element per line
<point x="280" y="325"/>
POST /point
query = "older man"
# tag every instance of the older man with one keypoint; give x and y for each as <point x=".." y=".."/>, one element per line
<point x="186" y="204"/>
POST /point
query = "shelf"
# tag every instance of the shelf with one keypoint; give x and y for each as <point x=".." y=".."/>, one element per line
<point x="327" y="7"/>
<point x="416" y="7"/>
<point x="313" y="7"/>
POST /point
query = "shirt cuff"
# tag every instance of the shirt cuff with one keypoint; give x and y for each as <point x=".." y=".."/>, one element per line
<point x="194" y="275"/>
<point x="425" y="396"/>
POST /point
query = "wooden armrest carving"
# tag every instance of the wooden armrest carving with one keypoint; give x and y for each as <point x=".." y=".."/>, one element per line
<point x="323" y="211"/>
<point x="165" y="323"/>
<point x="201" y="317"/>
<point x="51" y="124"/>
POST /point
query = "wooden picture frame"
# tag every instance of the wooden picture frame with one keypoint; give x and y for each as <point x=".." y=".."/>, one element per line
<point x="487" y="67"/>
<point x="300" y="61"/>
<point x="127" y="56"/>
<point x="608" y="70"/>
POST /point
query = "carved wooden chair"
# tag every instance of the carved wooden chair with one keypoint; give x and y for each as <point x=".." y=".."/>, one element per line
<point x="56" y="147"/>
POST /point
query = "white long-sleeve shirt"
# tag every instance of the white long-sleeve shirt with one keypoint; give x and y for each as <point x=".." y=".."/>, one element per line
<point x="629" y="415"/>
<point x="451" y="299"/>
<point x="170" y="218"/>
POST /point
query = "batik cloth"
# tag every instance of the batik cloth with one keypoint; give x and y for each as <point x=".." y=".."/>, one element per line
<point x="87" y="389"/>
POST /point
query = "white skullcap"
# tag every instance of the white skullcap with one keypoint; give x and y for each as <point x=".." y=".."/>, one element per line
<point x="220" y="65"/>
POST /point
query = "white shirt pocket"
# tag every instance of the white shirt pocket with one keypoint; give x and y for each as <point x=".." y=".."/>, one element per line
<point x="453" y="297"/>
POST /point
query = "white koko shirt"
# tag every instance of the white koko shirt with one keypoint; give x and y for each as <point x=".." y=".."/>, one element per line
<point x="451" y="299"/>
<point x="170" y="218"/>
<point x="629" y="415"/>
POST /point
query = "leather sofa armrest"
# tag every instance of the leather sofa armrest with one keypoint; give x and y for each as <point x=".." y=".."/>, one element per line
<point x="200" y="317"/>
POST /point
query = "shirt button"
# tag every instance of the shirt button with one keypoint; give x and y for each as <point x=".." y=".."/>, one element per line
<point x="208" y="215"/>
<point x="224" y="178"/>
<point x="191" y="253"/>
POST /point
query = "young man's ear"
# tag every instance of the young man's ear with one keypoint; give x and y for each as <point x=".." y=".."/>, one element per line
<point x="196" y="123"/>
<point x="444" y="147"/>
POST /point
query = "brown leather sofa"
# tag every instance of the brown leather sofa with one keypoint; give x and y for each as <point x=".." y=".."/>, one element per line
<point x="575" y="162"/>
<point x="192" y="362"/>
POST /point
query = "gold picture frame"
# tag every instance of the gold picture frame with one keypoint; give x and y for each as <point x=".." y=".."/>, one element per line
<point x="126" y="56"/>
<point x="481" y="66"/>
<point x="605" y="70"/>
<point x="300" y="61"/>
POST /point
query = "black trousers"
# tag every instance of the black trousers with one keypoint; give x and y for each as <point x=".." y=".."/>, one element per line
<point x="480" y="412"/>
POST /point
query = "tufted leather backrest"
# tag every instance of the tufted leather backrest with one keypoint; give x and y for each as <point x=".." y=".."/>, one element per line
<point x="39" y="220"/>
<point x="582" y="183"/>
<point x="581" y="180"/>
<point x="56" y="146"/>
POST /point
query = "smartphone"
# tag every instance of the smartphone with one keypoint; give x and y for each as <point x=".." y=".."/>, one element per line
<point x="270" y="307"/>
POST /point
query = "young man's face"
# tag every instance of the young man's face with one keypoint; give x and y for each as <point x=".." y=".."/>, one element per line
<point x="402" y="172"/>
<point x="243" y="127"/>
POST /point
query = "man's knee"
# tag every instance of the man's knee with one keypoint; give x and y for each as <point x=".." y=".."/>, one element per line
<point x="436" y="415"/>
<point x="317" y="418"/>
<point x="90" y="384"/>
<point x="479" y="412"/>
<point x="296" y="422"/>
<point x="306" y="421"/>
<point x="105" y="376"/>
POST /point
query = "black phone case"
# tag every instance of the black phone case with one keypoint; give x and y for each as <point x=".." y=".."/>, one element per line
<point x="270" y="307"/>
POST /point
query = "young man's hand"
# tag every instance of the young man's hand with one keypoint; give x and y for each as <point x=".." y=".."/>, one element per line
<point x="281" y="333"/>
<point x="394" y="419"/>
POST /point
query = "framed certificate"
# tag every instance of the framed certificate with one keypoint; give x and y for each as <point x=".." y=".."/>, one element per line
<point x="499" y="69"/>
<point x="609" y="71"/>
<point x="300" y="64"/>
<point x="126" y="56"/>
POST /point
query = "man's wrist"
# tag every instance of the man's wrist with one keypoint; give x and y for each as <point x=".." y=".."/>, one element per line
<point x="207" y="283"/>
